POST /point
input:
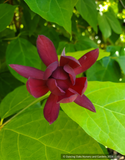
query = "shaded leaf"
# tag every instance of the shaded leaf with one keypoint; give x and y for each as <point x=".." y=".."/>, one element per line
<point x="7" y="83"/>
<point x="56" y="11"/>
<point x="84" y="42"/>
<point x="104" y="70"/>
<point x="6" y="15"/>
<point x="104" y="26"/>
<point x="113" y="21"/>
<point x="121" y="62"/>
<point x="20" y="51"/>
<point x="87" y="8"/>
<point x="107" y="125"/>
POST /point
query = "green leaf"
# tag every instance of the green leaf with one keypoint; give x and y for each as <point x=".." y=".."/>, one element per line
<point x="6" y="15"/>
<point x="79" y="54"/>
<point x="20" y="51"/>
<point x="113" y="21"/>
<point x="29" y="21"/>
<point x="121" y="62"/>
<point x="84" y="42"/>
<point x="32" y="138"/>
<point x="7" y="83"/>
<point x="106" y="69"/>
<point x="17" y="100"/>
<point x="56" y="11"/>
<point x="113" y="50"/>
<point x="104" y="26"/>
<point x="87" y="9"/>
<point x="107" y="125"/>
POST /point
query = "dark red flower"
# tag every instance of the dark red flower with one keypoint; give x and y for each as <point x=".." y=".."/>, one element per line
<point x="59" y="78"/>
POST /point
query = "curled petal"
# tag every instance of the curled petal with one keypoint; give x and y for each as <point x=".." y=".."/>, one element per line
<point x="85" y="102"/>
<point x="52" y="85"/>
<point x="27" y="71"/>
<point x="46" y="50"/>
<point x="49" y="70"/>
<point x="59" y="73"/>
<point x="71" y="73"/>
<point x="63" y="52"/>
<point x="63" y="84"/>
<point x="51" y="109"/>
<point x="36" y="87"/>
<point x="68" y="97"/>
<point x="87" y="61"/>
<point x="71" y="61"/>
<point x="80" y="85"/>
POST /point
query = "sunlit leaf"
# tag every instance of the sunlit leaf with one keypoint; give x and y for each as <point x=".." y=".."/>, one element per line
<point x="107" y="125"/>
<point x="17" y="100"/>
<point x="31" y="137"/>
<point x="79" y="54"/>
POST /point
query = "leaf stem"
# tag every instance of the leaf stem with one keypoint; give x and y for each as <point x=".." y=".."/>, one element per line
<point x="122" y="3"/>
<point x="34" y="102"/>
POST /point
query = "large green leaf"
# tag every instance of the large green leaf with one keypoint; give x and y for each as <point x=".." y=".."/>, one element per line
<point x="56" y="11"/>
<point x="107" y="125"/>
<point x="6" y="15"/>
<point x="113" y="21"/>
<point x="104" y="26"/>
<point x="17" y="100"/>
<point x="87" y="9"/>
<point x="30" y="137"/>
<point x="20" y="51"/>
<point x="79" y="54"/>
<point x="106" y="69"/>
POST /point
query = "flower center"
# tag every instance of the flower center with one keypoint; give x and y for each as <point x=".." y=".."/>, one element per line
<point x="59" y="73"/>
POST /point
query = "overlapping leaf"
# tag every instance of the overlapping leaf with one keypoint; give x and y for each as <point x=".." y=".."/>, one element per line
<point x="107" y="125"/>
<point x="106" y="69"/>
<point x="113" y="21"/>
<point x="17" y="100"/>
<point x="104" y="25"/>
<point x="56" y="11"/>
<point x="87" y="8"/>
<point x="20" y="51"/>
<point x="6" y="15"/>
<point x="79" y="54"/>
<point x="29" y="136"/>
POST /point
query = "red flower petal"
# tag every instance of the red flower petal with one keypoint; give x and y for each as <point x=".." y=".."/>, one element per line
<point x="71" y="73"/>
<point x="36" y="87"/>
<point x="68" y="97"/>
<point x="59" y="73"/>
<point x="46" y="50"/>
<point x="63" y="84"/>
<point x="85" y="102"/>
<point x="27" y="71"/>
<point x="49" y="70"/>
<point x="87" y="61"/>
<point x="71" y="61"/>
<point x="51" y="109"/>
<point x="80" y="85"/>
<point x="52" y="85"/>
